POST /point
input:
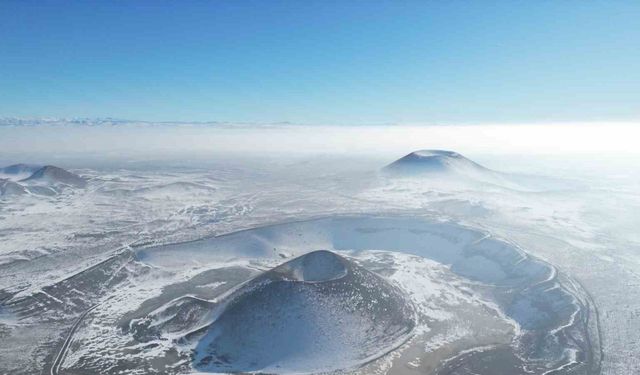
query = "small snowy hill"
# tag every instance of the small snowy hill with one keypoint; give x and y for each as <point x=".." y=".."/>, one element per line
<point x="17" y="172"/>
<point x="50" y="174"/>
<point x="8" y="188"/>
<point x="449" y="166"/>
<point x="38" y="180"/>
<point x="435" y="161"/>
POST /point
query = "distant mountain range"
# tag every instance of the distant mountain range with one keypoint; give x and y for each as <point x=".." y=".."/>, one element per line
<point x="108" y="121"/>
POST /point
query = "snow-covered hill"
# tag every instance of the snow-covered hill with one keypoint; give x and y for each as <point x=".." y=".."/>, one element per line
<point x="448" y="166"/>
<point x="17" y="172"/>
<point x="8" y="188"/>
<point x="52" y="175"/>
<point x="30" y="179"/>
<point x="318" y="312"/>
<point x="434" y="161"/>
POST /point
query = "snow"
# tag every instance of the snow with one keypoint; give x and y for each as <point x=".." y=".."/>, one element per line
<point x="50" y="174"/>
<point x="317" y="266"/>
<point x="331" y="324"/>
<point x="17" y="172"/>
<point x="588" y="233"/>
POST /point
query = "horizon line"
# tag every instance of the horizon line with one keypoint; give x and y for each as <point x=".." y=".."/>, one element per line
<point x="96" y="121"/>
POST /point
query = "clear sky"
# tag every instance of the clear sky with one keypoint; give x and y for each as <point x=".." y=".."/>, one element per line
<point x="342" y="62"/>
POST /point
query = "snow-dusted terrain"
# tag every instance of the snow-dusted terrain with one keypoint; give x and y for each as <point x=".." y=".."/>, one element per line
<point x="149" y="267"/>
<point x="26" y="179"/>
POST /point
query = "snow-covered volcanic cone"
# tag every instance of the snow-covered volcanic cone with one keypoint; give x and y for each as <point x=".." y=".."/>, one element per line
<point x="22" y="179"/>
<point x="8" y="187"/>
<point x="50" y="174"/>
<point x="435" y="161"/>
<point x="18" y="172"/>
<point x="317" y="312"/>
<point x="449" y="166"/>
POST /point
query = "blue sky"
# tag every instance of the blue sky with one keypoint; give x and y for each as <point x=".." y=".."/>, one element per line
<point x="347" y="62"/>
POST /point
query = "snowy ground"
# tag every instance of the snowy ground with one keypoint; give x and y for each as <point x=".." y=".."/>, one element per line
<point x="588" y="231"/>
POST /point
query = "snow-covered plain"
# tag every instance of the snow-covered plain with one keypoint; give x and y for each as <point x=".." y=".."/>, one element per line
<point x="81" y="271"/>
